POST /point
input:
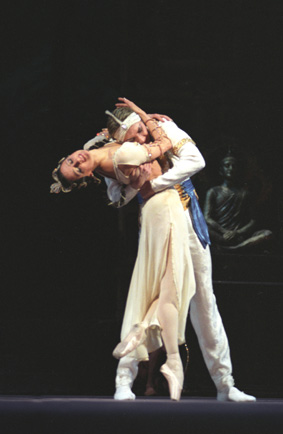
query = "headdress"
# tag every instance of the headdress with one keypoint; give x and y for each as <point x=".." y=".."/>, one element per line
<point x="120" y="133"/>
<point x="58" y="186"/>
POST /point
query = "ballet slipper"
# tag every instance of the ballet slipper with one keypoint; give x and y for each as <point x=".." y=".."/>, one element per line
<point x="124" y="393"/>
<point x="175" y="388"/>
<point x="234" y="395"/>
<point x="135" y="338"/>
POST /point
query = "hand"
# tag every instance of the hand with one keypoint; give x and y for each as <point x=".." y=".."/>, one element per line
<point x="104" y="132"/>
<point x="127" y="103"/>
<point x="160" y="118"/>
<point x="140" y="175"/>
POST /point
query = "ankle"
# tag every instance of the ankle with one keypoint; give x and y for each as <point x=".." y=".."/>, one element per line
<point x="173" y="357"/>
<point x="174" y="361"/>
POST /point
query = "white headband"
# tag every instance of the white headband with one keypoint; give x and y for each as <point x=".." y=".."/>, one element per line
<point x="120" y="133"/>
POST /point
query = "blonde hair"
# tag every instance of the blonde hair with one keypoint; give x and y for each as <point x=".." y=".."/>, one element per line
<point x="120" y="113"/>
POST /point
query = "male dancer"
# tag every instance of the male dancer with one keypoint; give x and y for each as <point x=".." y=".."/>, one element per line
<point x="204" y="313"/>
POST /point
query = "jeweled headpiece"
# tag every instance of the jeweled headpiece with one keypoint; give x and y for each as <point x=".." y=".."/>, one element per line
<point x="120" y="133"/>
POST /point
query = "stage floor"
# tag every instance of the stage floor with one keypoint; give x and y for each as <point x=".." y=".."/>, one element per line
<point x="83" y="415"/>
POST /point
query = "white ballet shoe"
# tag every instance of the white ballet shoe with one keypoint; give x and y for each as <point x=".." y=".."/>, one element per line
<point x="124" y="393"/>
<point x="135" y="338"/>
<point x="175" y="388"/>
<point x="235" y="395"/>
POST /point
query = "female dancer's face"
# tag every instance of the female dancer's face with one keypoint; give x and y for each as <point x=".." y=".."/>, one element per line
<point x="77" y="165"/>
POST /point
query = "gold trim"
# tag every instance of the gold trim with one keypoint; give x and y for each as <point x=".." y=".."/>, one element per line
<point x="184" y="197"/>
<point x="181" y="143"/>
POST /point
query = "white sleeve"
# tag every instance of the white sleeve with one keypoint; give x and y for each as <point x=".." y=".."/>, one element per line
<point x="186" y="163"/>
<point x="119" y="194"/>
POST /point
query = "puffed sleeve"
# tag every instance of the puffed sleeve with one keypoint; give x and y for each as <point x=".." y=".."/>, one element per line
<point x="132" y="154"/>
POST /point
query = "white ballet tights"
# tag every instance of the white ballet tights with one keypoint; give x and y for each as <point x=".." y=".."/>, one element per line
<point x="167" y="311"/>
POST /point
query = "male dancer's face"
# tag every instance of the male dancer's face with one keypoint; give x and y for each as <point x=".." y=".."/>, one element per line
<point x="137" y="133"/>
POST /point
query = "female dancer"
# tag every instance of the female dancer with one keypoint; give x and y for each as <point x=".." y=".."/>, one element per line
<point x="162" y="283"/>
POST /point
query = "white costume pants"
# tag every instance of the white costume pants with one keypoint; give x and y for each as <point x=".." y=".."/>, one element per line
<point x="205" y="316"/>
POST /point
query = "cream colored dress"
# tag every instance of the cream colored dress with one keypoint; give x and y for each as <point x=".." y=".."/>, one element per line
<point x="163" y="228"/>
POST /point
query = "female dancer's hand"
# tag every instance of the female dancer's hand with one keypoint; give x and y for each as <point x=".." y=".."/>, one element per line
<point x="127" y="103"/>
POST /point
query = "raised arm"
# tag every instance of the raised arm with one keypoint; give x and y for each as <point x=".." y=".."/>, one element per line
<point x="161" y="142"/>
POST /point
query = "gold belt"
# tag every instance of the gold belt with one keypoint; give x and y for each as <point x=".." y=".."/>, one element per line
<point x="184" y="197"/>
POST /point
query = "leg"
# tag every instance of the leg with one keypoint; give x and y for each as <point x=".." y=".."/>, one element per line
<point x="156" y="359"/>
<point x="125" y="376"/>
<point x="136" y="336"/>
<point x="208" y="325"/>
<point x="167" y="313"/>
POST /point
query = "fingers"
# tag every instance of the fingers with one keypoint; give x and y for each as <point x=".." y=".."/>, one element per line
<point x="159" y="117"/>
<point x="124" y="102"/>
<point x="166" y="117"/>
<point x="146" y="167"/>
<point x="123" y="99"/>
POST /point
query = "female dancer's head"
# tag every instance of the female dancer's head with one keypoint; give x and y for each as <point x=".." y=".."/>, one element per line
<point x="74" y="171"/>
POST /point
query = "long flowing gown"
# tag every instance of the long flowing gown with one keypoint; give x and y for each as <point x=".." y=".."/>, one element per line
<point x="164" y="234"/>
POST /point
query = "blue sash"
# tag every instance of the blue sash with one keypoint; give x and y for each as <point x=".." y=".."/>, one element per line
<point x="198" y="219"/>
<point x="199" y="223"/>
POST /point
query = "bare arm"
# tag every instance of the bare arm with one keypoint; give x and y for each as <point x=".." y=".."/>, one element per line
<point x="161" y="142"/>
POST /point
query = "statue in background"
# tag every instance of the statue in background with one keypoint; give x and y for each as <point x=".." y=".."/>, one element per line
<point x="228" y="213"/>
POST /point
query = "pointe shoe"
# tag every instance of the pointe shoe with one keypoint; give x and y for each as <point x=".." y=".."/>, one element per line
<point x="235" y="395"/>
<point x="135" y="338"/>
<point x="175" y="388"/>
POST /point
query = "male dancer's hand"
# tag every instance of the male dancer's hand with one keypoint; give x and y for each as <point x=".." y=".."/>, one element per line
<point x="104" y="132"/>
<point x="160" y="118"/>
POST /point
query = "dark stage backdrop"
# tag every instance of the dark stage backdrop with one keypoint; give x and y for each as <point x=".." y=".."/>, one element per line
<point x="214" y="67"/>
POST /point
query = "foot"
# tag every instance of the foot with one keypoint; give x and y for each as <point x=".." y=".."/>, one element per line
<point x="131" y="341"/>
<point x="235" y="395"/>
<point x="174" y="374"/>
<point x="124" y="393"/>
<point x="150" y="391"/>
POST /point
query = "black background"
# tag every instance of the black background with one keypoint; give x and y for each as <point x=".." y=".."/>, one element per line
<point x="215" y="68"/>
